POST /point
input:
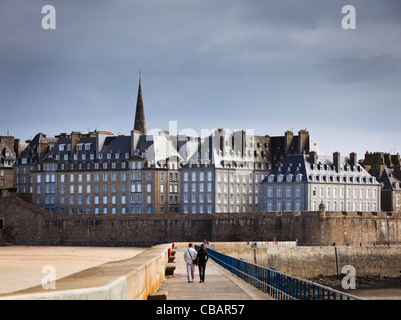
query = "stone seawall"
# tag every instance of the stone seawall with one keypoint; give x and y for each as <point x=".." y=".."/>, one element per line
<point x="25" y="224"/>
<point x="309" y="262"/>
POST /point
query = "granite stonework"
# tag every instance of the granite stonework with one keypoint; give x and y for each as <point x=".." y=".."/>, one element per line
<point x="25" y="224"/>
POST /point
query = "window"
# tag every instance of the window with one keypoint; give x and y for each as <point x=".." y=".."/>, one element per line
<point x="1" y="224"/>
<point x="270" y="192"/>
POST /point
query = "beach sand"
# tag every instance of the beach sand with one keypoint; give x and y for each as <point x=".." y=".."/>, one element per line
<point x="21" y="266"/>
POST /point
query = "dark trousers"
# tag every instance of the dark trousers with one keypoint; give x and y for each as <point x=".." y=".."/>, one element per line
<point x="202" y="268"/>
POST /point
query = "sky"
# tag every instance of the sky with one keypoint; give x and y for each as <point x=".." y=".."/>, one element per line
<point x="265" y="66"/>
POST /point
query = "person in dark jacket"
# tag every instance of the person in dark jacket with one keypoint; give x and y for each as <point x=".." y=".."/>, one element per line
<point x="201" y="259"/>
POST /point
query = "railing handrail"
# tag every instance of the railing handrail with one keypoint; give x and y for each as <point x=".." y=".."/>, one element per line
<point x="275" y="290"/>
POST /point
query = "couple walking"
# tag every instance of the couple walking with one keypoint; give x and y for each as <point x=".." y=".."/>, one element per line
<point x="193" y="258"/>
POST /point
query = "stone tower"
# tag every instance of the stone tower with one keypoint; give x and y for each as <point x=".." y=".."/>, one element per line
<point x="140" y="124"/>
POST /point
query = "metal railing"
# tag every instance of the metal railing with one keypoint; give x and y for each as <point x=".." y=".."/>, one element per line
<point x="279" y="285"/>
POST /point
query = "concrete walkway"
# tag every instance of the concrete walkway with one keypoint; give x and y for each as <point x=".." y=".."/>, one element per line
<point x="220" y="284"/>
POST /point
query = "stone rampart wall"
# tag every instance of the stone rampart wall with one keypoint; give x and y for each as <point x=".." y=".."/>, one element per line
<point x="24" y="223"/>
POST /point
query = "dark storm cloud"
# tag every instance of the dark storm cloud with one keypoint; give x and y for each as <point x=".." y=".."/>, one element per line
<point x="203" y="63"/>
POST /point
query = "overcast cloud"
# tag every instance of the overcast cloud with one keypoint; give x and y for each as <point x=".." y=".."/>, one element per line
<point x="269" y="66"/>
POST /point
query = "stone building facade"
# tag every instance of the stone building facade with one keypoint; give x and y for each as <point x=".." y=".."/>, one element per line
<point x="32" y="153"/>
<point x="386" y="168"/>
<point x="9" y="151"/>
<point x="303" y="182"/>
<point x="142" y="173"/>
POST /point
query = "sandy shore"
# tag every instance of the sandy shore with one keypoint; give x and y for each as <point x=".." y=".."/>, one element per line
<point x="21" y="266"/>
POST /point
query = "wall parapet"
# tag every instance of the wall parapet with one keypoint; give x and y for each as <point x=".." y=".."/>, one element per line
<point x="129" y="279"/>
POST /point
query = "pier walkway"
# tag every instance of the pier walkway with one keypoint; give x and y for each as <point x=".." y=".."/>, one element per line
<point x="220" y="284"/>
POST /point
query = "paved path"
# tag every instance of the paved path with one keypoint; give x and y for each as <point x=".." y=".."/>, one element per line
<point x="220" y="284"/>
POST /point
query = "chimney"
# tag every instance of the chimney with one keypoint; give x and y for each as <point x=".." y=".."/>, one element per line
<point x="313" y="157"/>
<point x="74" y="139"/>
<point x="100" y="138"/>
<point x="288" y="141"/>
<point x="135" y="135"/>
<point x="353" y="159"/>
<point x="303" y="138"/>
<point x="337" y="161"/>
<point x="9" y="141"/>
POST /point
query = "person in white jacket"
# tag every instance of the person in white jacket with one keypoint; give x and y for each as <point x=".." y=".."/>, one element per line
<point x="189" y="256"/>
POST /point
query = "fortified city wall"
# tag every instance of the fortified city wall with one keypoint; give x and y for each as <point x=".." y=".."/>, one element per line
<point x="22" y="223"/>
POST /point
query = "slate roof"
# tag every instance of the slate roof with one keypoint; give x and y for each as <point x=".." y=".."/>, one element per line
<point x="322" y="171"/>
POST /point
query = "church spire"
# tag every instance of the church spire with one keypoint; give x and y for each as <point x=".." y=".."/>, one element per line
<point x="140" y="124"/>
